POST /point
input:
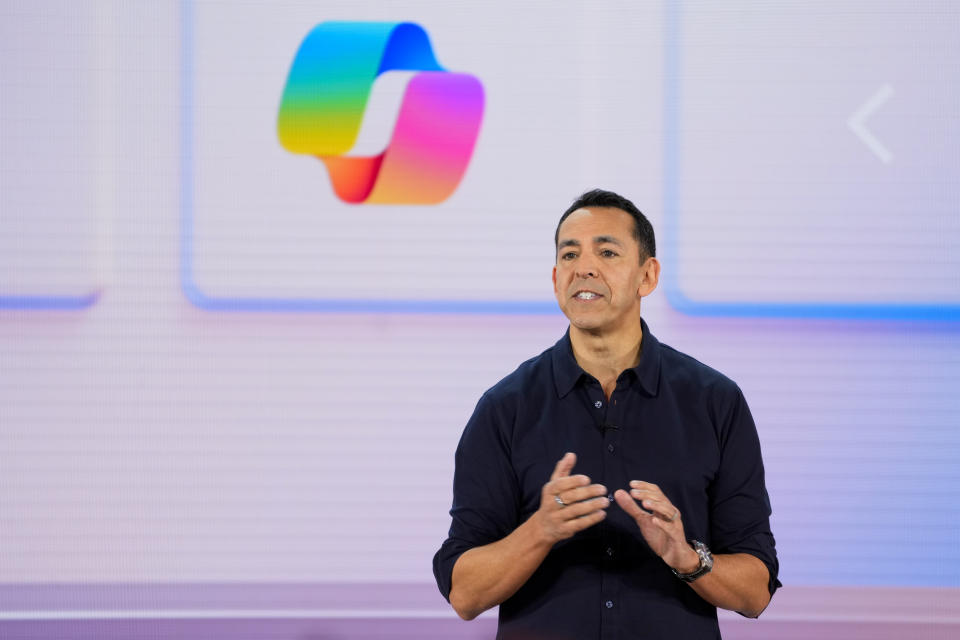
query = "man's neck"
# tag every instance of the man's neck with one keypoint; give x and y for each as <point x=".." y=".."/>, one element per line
<point x="605" y="356"/>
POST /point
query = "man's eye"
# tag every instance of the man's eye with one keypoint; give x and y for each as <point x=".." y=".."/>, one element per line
<point x="607" y="253"/>
<point x="569" y="255"/>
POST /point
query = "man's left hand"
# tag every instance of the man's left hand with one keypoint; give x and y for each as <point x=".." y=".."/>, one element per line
<point x="661" y="525"/>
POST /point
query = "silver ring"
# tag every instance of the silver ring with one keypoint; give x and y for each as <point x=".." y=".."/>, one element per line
<point x="559" y="500"/>
<point x="676" y="513"/>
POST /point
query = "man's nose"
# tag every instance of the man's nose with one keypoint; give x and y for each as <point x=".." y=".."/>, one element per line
<point x="586" y="268"/>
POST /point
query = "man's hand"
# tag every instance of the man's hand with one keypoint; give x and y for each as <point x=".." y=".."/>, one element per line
<point x="662" y="528"/>
<point x="738" y="581"/>
<point x="485" y="576"/>
<point x="569" y="504"/>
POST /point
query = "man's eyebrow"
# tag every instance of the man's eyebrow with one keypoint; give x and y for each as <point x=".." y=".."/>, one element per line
<point x="568" y="243"/>
<point x="607" y="240"/>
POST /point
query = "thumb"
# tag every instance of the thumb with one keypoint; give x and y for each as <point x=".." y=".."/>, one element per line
<point x="628" y="504"/>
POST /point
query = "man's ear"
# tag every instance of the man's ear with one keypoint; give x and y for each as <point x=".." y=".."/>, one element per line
<point x="651" y="277"/>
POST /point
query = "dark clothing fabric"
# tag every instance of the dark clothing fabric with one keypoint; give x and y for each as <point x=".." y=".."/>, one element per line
<point x="672" y="421"/>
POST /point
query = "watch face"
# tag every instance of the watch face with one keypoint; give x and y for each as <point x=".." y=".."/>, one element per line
<point x="706" y="558"/>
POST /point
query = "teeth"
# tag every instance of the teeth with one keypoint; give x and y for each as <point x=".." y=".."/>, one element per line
<point x="586" y="295"/>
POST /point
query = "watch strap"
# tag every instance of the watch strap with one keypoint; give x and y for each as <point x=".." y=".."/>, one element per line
<point x="706" y="563"/>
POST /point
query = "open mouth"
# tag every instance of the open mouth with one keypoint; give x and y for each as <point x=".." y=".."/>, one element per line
<point x="586" y="295"/>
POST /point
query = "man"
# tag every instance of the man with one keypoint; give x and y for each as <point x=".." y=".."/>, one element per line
<point x="593" y="483"/>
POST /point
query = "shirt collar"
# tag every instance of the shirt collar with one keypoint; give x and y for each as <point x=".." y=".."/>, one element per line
<point x="566" y="371"/>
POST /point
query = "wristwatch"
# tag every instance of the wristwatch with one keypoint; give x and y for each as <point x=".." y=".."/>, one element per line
<point x="706" y="563"/>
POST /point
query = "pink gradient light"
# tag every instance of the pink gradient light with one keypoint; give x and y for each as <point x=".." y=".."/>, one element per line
<point x="433" y="140"/>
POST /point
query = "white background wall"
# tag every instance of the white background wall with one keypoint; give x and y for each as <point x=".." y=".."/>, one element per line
<point x="144" y="439"/>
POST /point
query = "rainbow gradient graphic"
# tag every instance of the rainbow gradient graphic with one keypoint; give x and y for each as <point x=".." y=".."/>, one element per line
<point x="326" y="94"/>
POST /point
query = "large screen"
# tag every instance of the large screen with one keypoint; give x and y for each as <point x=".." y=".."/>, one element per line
<point x="251" y="288"/>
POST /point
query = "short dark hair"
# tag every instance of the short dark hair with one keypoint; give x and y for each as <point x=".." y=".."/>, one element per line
<point x="642" y="229"/>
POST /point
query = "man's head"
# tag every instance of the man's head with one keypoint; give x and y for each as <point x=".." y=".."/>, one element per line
<point x="605" y="264"/>
<point x="642" y="229"/>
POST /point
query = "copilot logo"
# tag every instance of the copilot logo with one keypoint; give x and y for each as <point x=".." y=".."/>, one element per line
<point x="326" y="94"/>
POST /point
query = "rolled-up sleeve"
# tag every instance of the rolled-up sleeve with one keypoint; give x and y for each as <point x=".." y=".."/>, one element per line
<point x="486" y="495"/>
<point x="739" y="504"/>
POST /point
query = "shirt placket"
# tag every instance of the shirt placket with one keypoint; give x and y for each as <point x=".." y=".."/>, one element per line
<point x="607" y="418"/>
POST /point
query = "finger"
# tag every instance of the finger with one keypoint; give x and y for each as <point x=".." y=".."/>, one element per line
<point x="583" y="508"/>
<point x="567" y="483"/>
<point x="564" y="466"/>
<point x="584" y="522"/>
<point x="640" y="496"/>
<point x="579" y="494"/>
<point x="661" y="509"/>
<point x="654" y="501"/>
<point x="645" y="486"/>
<point x="629" y="505"/>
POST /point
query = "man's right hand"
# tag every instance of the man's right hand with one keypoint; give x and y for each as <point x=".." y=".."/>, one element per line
<point x="569" y="504"/>
<point x="485" y="576"/>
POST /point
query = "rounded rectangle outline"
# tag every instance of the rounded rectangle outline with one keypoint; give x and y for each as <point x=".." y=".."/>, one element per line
<point x="50" y="302"/>
<point x="203" y="300"/>
<point x="752" y="309"/>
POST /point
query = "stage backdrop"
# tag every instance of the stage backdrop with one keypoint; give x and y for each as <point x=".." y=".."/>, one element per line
<point x="238" y="345"/>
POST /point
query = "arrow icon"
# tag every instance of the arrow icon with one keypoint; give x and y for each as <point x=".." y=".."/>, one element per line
<point x="856" y="123"/>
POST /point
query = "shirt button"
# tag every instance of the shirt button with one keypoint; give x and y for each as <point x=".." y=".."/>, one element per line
<point x="610" y="497"/>
<point x="598" y="404"/>
<point x="610" y="551"/>
<point x="609" y="604"/>
<point x="610" y="448"/>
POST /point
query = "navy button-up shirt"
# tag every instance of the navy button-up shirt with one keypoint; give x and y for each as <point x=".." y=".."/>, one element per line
<point x="672" y="421"/>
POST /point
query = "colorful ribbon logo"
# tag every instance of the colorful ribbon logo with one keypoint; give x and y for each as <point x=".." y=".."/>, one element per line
<point x="326" y="94"/>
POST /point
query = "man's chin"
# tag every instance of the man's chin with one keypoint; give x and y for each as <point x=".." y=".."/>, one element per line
<point x="589" y="320"/>
<point x="586" y="322"/>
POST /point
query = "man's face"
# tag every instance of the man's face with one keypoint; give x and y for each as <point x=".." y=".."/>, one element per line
<point x="599" y="279"/>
